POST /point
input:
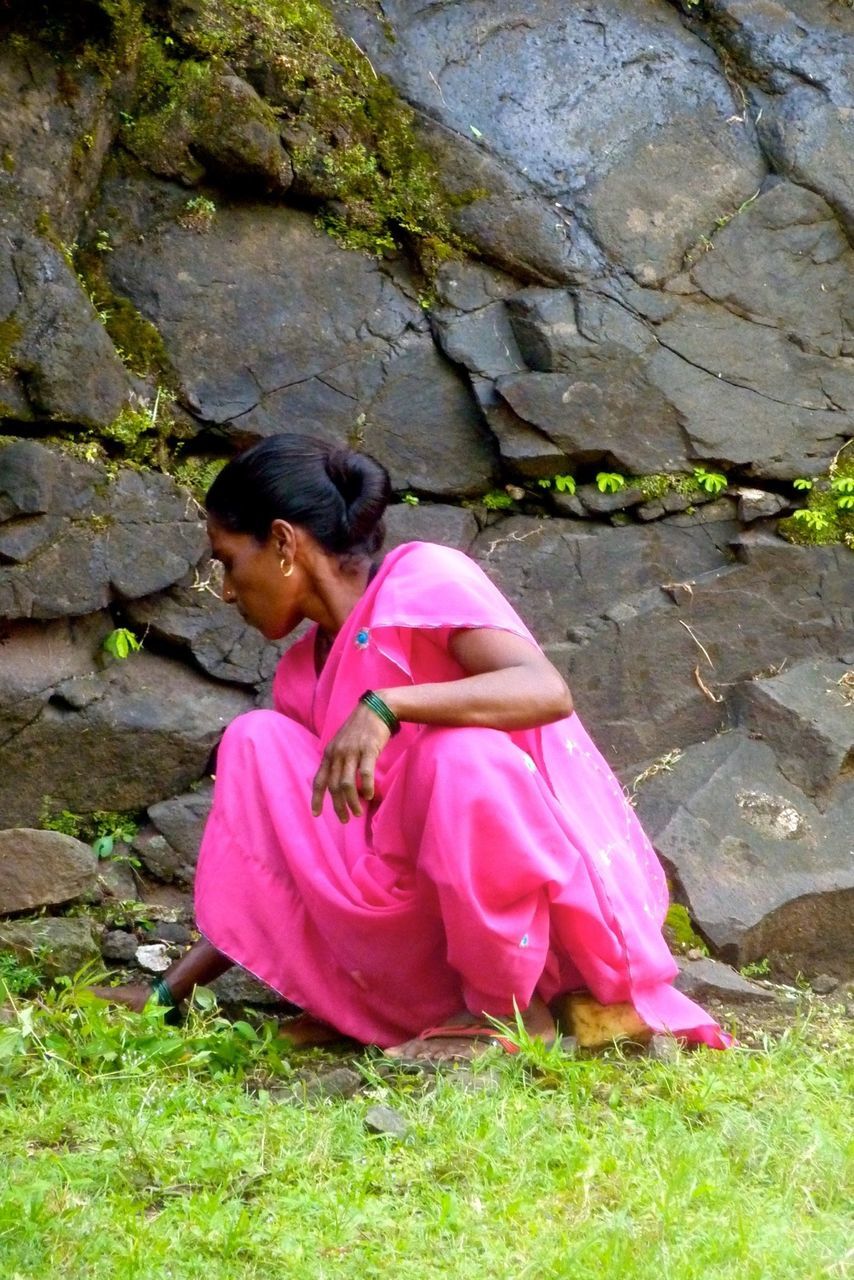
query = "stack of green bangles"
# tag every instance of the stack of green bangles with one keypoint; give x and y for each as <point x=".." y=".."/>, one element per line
<point x="379" y="708"/>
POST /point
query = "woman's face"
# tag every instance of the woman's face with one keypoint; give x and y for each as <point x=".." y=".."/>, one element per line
<point x="253" y="580"/>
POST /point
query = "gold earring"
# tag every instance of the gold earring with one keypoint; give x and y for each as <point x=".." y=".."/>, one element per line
<point x="286" y="573"/>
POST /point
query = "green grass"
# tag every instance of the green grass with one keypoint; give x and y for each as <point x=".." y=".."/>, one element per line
<point x="132" y="1151"/>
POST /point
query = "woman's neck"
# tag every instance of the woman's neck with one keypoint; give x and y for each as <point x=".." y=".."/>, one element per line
<point x="335" y="593"/>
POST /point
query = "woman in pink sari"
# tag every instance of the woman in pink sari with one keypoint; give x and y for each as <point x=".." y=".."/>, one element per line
<point x="420" y="837"/>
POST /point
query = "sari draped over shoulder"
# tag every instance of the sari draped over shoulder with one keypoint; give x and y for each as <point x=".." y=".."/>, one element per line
<point x="490" y="866"/>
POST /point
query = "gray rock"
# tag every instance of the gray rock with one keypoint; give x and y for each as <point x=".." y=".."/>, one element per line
<point x="386" y="1121"/>
<point x="822" y="984"/>
<point x="161" y="860"/>
<point x="40" y="868"/>
<point x="703" y="978"/>
<point x="182" y="819"/>
<point x="159" y="720"/>
<point x="57" y="102"/>
<point x="116" y="881"/>
<point x="119" y="946"/>
<point x="784" y="261"/>
<point x="664" y="1049"/>
<point x="237" y="986"/>
<point x="629" y="131"/>
<point x="59" y="945"/>
<point x="805" y="716"/>
<point x="340" y="1082"/>
<point x="511" y="224"/>
<point x="604" y="411"/>
<point x="351" y="353"/>
<point x="602" y="504"/>
<point x="68" y="366"/>
<point x="430" y="522"/>
<point x="810" y="140"/>
<point x="758" y="504"/>
<point x="172" y="932"/>
<point x="782" y="880"/>
<point x="105" y="538"/>
<point x="195" y="620"/>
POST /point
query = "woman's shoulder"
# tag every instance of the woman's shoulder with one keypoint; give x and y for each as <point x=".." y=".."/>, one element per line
<point x="433" y="557"/>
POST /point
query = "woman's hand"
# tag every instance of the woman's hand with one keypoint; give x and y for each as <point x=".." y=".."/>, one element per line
<point x="347" y="767"/>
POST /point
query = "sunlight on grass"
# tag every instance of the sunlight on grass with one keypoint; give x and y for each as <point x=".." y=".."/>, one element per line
<point x="135" y="1151"/>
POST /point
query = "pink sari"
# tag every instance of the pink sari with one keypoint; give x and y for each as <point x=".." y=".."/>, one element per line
<point x="490" y="866"/>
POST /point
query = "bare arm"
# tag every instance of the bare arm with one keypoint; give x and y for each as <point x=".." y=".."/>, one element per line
<point x="509" y="685"/>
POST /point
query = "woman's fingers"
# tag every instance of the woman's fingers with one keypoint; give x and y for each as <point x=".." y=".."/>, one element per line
<point x="348" y="763"/>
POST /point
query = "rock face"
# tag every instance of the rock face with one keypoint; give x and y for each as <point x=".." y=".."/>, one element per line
<point x="651" y="280"/>
<point x="763" y="867"/>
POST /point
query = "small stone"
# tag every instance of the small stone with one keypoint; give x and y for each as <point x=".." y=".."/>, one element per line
<point x="569" y="1046"/>
<point x="155" y="958"/>
<point x="119" y="945"/>
<point x="387" y="1121"/>
<point x="756" y="504"/>
<point x="340" y="1082"/>
<point x="171" y="931"/>
<point x="822" y="984"/>
<point x="694" y="953"/>
<point x="663" y="1049"/>
<point x="475" y="1081"/>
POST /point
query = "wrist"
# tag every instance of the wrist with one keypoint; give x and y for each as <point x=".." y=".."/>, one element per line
<point x="376" y="702"/>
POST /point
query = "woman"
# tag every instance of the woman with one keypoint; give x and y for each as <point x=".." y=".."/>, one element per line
<point x="421" y="836"/>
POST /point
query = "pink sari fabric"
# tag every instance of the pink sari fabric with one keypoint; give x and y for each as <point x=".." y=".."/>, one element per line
<point x="490" y="866"/>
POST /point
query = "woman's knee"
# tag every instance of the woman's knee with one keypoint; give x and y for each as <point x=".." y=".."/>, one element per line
<point x="248" y="729"/>
<point x="458" y="750"/>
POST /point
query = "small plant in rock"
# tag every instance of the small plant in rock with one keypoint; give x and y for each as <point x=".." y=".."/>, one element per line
<point x="710" y="481"/>
<point x="497" y="500"/>
<point x="802" y="483"/>
<point x="563" y="484"/>
<point x="610" y="482"/>
<point x="102" y="242"/>
<point x="198" y="214"/>
<point x="410" y="500"/>
<point x="812" y="519"/>
<point x="756" y="968"/>
<point x="121" y="643"/>
<point x="17" y="978"/>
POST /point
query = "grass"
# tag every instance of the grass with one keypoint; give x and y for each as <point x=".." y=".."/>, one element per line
<point x="134" y="1151"/>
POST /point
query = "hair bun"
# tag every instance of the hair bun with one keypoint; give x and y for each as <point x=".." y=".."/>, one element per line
<point x="365" y="489"/>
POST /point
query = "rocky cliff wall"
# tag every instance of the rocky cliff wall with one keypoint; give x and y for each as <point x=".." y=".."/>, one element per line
<point x="580" y="275"/>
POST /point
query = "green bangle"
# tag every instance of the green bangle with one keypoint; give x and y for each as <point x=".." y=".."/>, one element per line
<point x="162" y="995"/>
<point x="379" y="708"/>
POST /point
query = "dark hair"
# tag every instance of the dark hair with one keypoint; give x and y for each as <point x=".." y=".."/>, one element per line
<point x="338" y="495"/>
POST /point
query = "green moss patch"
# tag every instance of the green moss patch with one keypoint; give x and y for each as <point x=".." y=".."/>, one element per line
<point x="350" y="138"/>
<point x="828" y="514"/>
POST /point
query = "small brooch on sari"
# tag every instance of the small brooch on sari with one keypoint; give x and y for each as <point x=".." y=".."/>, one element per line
<point x="362" y="638"/>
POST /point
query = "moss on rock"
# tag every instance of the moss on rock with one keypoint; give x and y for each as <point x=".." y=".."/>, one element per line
<point x="828" y="515"/>
<point x="350" y="137"/>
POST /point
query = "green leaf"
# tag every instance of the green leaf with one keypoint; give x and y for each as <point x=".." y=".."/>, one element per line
<point x="846" y="502"/>
<point x="842" y="484"/>
<point x="802" y="483"/>
<point x="103" y="846"/>
<point x="121" y="643"/>
<point x="566" y="484"/>
<point x="710" y="481"/>
<point x="610" y="482"/>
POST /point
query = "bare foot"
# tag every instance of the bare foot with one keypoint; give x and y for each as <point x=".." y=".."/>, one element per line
<point x="537" y="1020"/>
<point x="134" y="997"/>
<point x="305" y="1032"/>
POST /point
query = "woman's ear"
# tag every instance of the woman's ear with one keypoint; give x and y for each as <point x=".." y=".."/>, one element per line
<point x="284" y="538"/>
